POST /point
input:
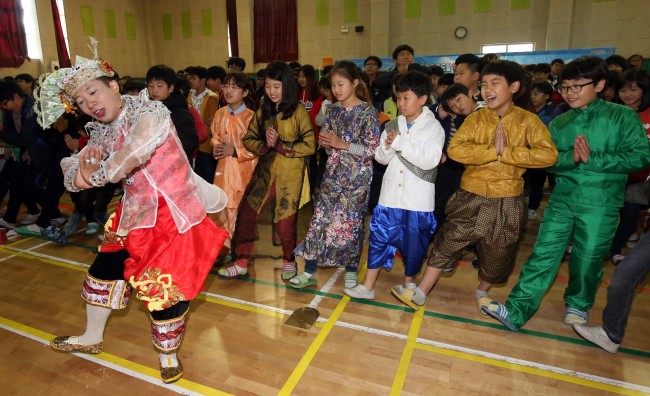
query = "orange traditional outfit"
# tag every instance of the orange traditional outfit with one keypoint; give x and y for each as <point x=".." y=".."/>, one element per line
<point x="233" y="173"/>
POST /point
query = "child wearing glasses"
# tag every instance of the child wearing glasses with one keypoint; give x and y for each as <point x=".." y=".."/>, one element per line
<point x="599" y="144"/>
<point x="235" y="164"/>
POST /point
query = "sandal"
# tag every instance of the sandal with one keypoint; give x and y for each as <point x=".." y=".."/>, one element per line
<point x="301" y="281"/>
<point x="232" y="272"/>
<point x="499" y="312"/>
<point x="289" y="270"/>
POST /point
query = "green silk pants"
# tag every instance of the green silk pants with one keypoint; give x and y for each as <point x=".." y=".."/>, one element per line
<point x="591" y="228"/>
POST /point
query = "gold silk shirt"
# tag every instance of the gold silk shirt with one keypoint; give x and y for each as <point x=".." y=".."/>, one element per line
<point x="528" y="145"/>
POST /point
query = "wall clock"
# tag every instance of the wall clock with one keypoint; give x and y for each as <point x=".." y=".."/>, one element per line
<point x="460" y="32"/>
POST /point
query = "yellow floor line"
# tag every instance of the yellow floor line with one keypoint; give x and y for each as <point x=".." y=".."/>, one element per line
<point x="530" y="370"/>
<point x="407" y="353"/>
<point x="315" y="346"/>
<point x="142" y="370"/>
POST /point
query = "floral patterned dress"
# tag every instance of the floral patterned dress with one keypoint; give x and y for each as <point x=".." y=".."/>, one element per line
<point x="335" y="235"/>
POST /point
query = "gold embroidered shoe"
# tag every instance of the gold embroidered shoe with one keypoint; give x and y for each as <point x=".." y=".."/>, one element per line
<point x="63" y="344"/>
<point x="171" y="374"/>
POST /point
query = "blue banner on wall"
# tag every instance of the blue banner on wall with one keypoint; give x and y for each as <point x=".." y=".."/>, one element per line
<point x="523" y="58"/>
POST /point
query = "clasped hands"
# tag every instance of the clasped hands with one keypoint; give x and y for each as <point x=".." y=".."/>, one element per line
<point x="500" y="141"/>
<point x="331" y="141"/>
<point x="223" y="150"/>
<point x="390" y="137"/>
<point x="581" y="149"/>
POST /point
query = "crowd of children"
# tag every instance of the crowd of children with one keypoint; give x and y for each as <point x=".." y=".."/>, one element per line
<point x="431" y="157"/>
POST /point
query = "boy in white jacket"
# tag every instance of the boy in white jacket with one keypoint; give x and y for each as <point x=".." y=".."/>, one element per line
<point x="411" y="146"/>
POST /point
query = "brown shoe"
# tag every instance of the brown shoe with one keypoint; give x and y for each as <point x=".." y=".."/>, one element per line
<point x="62" y="344"/>
<point x="171" y="374"/>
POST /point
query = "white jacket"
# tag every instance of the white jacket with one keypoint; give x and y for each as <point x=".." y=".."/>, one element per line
<point x="421" y="146"/>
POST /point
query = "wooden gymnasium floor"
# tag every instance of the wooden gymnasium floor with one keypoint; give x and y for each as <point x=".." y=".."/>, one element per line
<point x="237" y="342"/>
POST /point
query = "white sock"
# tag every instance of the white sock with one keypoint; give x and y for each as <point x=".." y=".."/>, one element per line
<point x="168" y="359"/>
<point x="96" y="318"/>
<point x="410" y="285"/>
<point x="308" y="275"/>
<point x="480" y="293"/>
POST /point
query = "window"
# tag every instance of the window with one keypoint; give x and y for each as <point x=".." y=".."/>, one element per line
<point x="59" y="5"/>
<point x="32" y="34"/>
<point x="507" y="47"/>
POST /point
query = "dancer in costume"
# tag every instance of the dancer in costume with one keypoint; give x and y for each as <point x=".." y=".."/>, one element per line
<point x="159" y="241"/>
<point x="599" y="144"/>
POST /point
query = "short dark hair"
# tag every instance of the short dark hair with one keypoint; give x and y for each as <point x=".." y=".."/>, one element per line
<point x="473" y="62"/>
<point x="373" y="58"/>
<point x="216" y="73"/>
<point x="414" y="81"/>
<point x="260" y="73"/>
<point x="544" y="87"/>
<point x="512" y="72"/>
<point x="325" y="82"/>
<point x="557" y="60"/>
<point x="617" y="60"/>
<point x="403" y="47"/>
<point x="420" y="68"/>
<point x="509" y="70"/>
<point x="446" y="79"/>
<point x="543" y="68"/>
<point x="25" y="77"/>
<point x="134" y="85"/>
<point x="437" y="70"/>
<point x="612" y="79"/>
<point x="198" y="71"/>
<point x="161" y="73"/>
<point x="8" y="88"/>
<point x="452" y="91"/>
<point x="588" y="67"/>
<point x="236" y="61"/>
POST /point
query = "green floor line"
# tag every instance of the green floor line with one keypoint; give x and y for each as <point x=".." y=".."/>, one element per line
<point x="394" y="307"/>
<point x="452" y="318"/>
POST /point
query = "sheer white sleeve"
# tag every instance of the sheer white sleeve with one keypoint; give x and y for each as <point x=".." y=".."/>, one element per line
<point x="148" y="133"/>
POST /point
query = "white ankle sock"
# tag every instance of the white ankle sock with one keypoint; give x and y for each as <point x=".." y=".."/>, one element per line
<point x="168" y="359"/>
<point x="480" y="293"/>
<point x="96" y="318"/>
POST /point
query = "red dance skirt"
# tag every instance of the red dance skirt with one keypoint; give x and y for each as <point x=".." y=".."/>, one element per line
<point x="164" y="266"/>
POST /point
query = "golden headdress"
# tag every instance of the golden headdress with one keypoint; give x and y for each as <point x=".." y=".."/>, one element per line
<point x="54" y="95"/>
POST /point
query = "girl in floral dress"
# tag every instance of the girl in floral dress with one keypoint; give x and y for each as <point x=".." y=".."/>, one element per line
<point x="351" y="135"/>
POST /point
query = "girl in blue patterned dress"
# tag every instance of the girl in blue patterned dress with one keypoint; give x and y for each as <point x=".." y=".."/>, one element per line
<point x="350" y="135"/>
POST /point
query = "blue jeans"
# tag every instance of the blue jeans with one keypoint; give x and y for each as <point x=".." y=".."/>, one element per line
<point x="629" y="274"/>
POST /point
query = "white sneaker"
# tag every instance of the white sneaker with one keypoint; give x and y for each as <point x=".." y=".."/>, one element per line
<point x="532" y="214"/>
<point x="634" y="238"/>
<point x="360" y="292"/>
<point x="29" y="219"/>
<point x="598" y="336"/>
